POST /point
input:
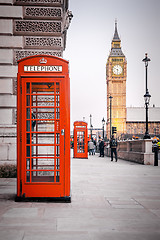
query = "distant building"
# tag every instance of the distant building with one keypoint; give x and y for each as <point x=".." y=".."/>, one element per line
<point x="136" y="121"/>
<point x="128" y="121"/>
<point x="27" y="27"/>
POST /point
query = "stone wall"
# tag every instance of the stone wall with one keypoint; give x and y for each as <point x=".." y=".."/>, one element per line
<point x="139" y="151"/>
<point x="27" y="27"/>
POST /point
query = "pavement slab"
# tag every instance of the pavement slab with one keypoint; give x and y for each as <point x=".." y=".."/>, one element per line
<point x="110" y="200"/>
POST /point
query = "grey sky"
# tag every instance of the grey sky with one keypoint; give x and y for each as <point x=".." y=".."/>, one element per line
<point x="88" y="45"/>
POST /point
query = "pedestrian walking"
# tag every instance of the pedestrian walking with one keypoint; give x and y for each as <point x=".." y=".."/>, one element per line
<point x="101" y="148"/>
<point x="113" y="146"/>
<point x="91" y="147"/>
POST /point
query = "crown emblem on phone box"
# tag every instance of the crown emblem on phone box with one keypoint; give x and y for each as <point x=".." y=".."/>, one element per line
<point x="43" y="61"/>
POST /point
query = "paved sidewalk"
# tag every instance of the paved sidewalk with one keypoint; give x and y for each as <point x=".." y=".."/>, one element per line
<point x="110" y="201"/>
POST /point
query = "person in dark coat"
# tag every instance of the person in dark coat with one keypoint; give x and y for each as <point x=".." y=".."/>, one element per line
<point x="113" y="146"/>
<point x="101" y="148"/>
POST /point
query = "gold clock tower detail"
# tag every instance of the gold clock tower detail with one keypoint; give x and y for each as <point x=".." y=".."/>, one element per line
<point x="116" y="75"/>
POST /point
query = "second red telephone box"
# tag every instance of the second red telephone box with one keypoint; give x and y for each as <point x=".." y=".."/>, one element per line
<point x="80" y="140"/>
<point x="43" y="128"/>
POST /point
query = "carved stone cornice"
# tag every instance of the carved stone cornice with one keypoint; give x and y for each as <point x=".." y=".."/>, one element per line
<point x="39" y="2"/>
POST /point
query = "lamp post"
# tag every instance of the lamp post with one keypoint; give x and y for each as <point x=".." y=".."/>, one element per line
<point x="103" y="122"/>
<point x="91" y="127"/>
<point x="146" y="97"/>
<point x="110" y="116"/>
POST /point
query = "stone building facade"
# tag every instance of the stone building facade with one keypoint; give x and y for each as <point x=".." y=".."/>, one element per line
<point x="27" y="27"/>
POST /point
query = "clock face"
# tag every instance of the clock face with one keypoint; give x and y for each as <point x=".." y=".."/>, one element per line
<point x="117" y="69"/>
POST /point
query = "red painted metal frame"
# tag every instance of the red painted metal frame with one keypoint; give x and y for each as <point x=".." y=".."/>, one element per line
<point x="28" y="188"/>
<point x="80" y="140"/>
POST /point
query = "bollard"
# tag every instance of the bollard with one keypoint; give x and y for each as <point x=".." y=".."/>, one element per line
<point x="155" y="150"/>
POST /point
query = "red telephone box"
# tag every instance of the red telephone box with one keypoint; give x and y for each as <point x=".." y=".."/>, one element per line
<point x="43" y="128"/>
<point x="80" y="140"/>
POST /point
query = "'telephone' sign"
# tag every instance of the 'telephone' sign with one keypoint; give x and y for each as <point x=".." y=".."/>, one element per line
<point x="42" y="68"/>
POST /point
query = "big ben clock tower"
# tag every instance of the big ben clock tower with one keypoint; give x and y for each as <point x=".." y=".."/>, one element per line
<point x="116" y="74"/>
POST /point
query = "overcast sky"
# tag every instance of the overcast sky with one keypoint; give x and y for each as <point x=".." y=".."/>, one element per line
<point x="89" y="43"/>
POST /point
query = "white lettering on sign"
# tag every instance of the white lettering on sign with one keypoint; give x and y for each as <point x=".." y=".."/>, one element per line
<point x="42" y="68"/>
<point x="80" y="126"/>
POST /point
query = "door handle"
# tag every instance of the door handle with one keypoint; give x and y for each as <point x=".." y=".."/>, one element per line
<point x="62" y="132"/>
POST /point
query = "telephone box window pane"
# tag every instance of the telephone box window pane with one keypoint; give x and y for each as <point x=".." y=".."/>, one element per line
<point x="28" y="113"/>
<point x="28" y="87"/>
<point x="57" y="177"/>
<point x="57" y="151"/>
<point x="28" y="138"/>
<point x="57" y="113"/>
<point x="28" y="151"/>
<point x="42" y="176"/>
<point x="57" y="100"/>
<point x="43" y="87"/>
<point x="27" y="176"/>
<point x="43" y="100"/>
<point x="44" y="126"/>
<point x="57" y="163"/>
<point x="43" y="138"/>
<point x="28" y="126"/>
<point x="43" y="151"/>
<point x="43" y="164"/>
<point x="28" y="163"/>
<point x="57" y="88"/>
<point x="43" y="113"/>
<point x="57" y="138"/>
<point x="28" y="100"/>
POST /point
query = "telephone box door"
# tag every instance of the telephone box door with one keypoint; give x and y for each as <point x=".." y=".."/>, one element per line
<point x="43" y="160"/>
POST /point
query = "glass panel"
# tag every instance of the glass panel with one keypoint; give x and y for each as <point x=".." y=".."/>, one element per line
<point x="43" y="113"/>
<point x="28" y="88"/>
<point x="43" y="163"/>
<point x="28" y="138"/>
<point x="43" y="176"/>
<point x="57" y="163"/>
<point x="28" y="100"/>
<point x="44" y="126"/>
<point x="28" y="126"/>
<point x="57" y="113"/>
<point x="43" y="100"/>
<point x="28" y="113"/>
<point x="57" y="151"/>
<point x="57" y="138"/>
<point x="43" y="138"/>
<point x="57" y="177"/>
<point x="57" y="100"/>
<point x="28" y="151"/>
<point x="57" y="88"/>
<point x="43" y="87"/>
<point x="43" y="151"/>
<point x="28" y="163"/>
<point x="27" y="176"/>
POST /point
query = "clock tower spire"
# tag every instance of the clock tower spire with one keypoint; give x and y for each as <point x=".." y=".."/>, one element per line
<point x="116" y="36"/>
<point x="116" y="75"/>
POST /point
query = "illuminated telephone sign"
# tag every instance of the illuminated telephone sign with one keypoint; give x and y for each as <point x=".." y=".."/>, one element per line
<point x="80" y="140"/>
<point x="43" y="128"/>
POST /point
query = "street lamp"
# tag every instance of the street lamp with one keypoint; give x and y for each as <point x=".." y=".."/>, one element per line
<point x="91" y="127"/>
<point x="91" y="131"/>
<point x="110" y="116"/>
<point x="147" y="97"/>
<point x="103" y="122"/>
